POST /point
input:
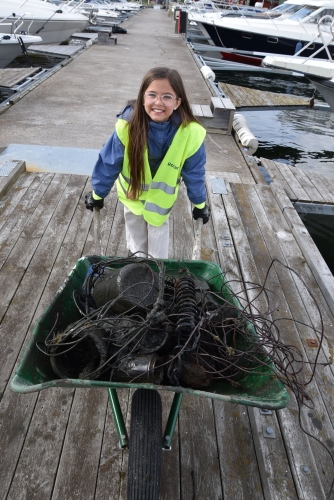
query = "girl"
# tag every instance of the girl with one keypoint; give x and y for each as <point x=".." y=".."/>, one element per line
<point x="157" y="142"/>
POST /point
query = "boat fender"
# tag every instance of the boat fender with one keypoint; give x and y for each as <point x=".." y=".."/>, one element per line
<point x="246" y="137"/>
<point x="208" y="73"/>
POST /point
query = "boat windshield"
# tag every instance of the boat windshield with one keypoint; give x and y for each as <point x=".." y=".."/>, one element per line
<point x="283" y="7"/>
<point x="284" y="10"/>
<point x="303" y="12"/>
<point x="321" y="13"/>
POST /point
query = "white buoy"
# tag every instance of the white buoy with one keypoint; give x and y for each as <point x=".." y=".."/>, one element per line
<point x="246" y="137"/>
<point x="208" y="73"/>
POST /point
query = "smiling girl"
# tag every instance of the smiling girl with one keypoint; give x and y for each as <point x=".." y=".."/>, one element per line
<point x="157" y="143"/>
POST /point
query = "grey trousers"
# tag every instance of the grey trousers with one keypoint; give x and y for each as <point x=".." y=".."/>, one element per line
<point x="142" y="237"/>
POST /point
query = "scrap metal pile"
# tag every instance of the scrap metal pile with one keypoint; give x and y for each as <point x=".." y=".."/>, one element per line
<point x="140" y="324"/>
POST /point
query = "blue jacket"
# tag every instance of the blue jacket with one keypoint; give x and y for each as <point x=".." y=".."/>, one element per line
<point x="160" y="136"/>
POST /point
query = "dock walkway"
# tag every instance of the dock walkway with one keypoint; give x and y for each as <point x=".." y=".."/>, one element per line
<point x="61" y="443"/>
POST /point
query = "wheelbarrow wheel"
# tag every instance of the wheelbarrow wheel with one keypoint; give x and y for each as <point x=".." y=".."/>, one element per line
<point x="145" y="446"/>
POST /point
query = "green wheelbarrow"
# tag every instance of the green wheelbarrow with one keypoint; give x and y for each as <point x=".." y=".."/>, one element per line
<point x="146" y="442"/>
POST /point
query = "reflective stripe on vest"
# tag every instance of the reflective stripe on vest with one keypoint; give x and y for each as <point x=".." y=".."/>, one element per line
<point x="158" y="194"/>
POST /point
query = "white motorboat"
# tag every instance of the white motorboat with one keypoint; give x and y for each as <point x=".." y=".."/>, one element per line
<point x="282" y="30"/>
<point x="35" y="17"/>
<point x="11" y="46"/>
<point x="319" y="71"/>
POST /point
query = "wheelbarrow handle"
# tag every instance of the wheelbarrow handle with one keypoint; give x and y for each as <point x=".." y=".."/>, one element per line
<point x="198" y="240"/>
<point x="97" y="231"/>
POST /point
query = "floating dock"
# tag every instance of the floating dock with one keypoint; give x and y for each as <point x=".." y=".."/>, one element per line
<point x="246" y="98"/>
<point x="61" y="443"/>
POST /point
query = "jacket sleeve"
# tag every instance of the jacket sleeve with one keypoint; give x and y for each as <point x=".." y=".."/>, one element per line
<point x="108" y="166"/>
<point x="193" y="173"/>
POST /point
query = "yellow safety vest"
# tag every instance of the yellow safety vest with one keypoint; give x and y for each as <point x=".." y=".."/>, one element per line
<point x="160" y="193"/>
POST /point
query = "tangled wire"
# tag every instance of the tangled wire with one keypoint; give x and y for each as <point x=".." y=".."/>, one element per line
<point x="141" y="323"/>
<point x="174" y="329"/>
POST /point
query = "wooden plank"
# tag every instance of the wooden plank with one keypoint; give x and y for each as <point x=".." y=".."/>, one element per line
<point x="238" y="463"/>
<point x="295" y="258"/>
<point x="15" y="417"/>
<point x="300" y="448"/>
<point x="310" y="251"/>
<point x="72" y="248"/>
<point x="182" y="237"/>
<point x="7" y="181"/>
<point x="12" y="76"/>
<point x="15" y="265"/>
<point x="323" y="374"/>
<point x="225" y="247"/>
<point x="302" y="310"/>
<point x="275" y="472"/>
<point x="195" y="413"/>
<point x="199" y="455"/>
<point x="317" y="264"/>
<point x="248" y="97"/>
<point x="232" y="444"/>
<point x="21" y="208"/>
<point x="36" y="468"/>
<point x="228" y="103"/>
<point x="48" y="228"/>
<point x="232" y="424"/>
<point x="117" y="241"/>
<point x="10" y="200"/>
<point x="287" y="208"/>
<point x="330" y="184"/>
<point x="277" y="177"/>
<point x="293" y="182"/>
<point x="304" y="181"/>
<point x="231" y="108"/>
<point x="232" y="94"/>
<point x="320" y="183"/>
<point x="171" y="469"/>
<point x="206" y="111"/>
<point x="111" y="472"/>
<point x="107" y="216"/>
<point x="55" y="48"/>
<point x="16" y="410"/>
<point x="82" y="445"/>
<point x="197" y="109"/>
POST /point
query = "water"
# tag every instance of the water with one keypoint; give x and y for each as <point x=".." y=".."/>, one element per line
<point x="301" y="138"/>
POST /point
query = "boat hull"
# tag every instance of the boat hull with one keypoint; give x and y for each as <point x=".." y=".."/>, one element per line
<point x="54" y="31"/>
<point x="10" y="49"/>
<point x="223" y="36"/>
<point x="326" y="89"/>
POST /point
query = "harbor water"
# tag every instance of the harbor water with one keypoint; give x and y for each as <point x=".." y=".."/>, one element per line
<point x="300" y="138"/>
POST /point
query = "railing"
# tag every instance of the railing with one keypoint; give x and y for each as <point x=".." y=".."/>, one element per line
<point x="19" y="20"/>
<point x="323" y="28"/>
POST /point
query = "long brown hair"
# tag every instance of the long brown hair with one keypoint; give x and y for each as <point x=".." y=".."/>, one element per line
<point x="139" y="124"/>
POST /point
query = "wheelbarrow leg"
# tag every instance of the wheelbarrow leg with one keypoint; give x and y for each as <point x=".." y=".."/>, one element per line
<point x="118" y="418"/>
<point x="172" y="419"/>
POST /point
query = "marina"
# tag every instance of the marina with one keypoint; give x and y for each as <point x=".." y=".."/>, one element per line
<point x="61" y="443"/>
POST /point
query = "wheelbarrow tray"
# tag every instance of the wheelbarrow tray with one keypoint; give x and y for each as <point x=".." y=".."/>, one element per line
<point x="34" y="373"/>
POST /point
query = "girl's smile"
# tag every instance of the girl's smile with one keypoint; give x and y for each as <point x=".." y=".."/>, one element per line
<point x="155" y="102"/>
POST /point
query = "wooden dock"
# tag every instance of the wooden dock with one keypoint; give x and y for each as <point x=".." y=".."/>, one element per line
<point x="61" y="444"/>
<point x="244" y="97"/>
<point x="63" y="441"/>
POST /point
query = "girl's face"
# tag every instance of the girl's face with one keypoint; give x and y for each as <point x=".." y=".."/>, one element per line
<point x="160" y="100"/>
